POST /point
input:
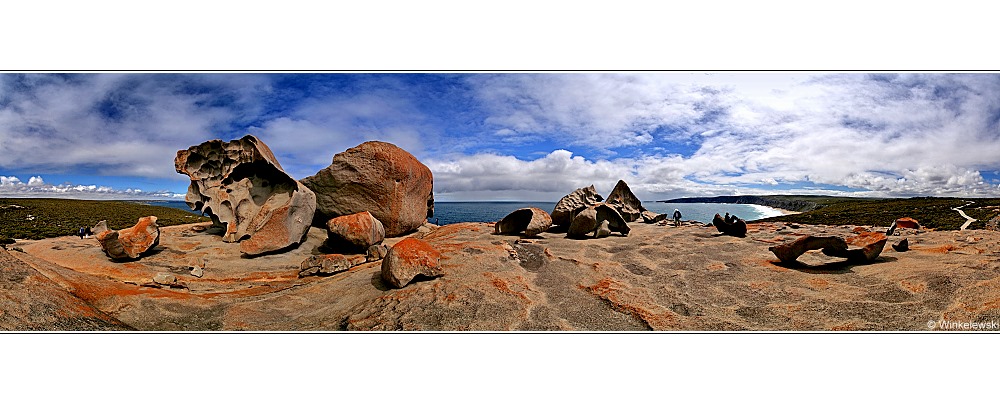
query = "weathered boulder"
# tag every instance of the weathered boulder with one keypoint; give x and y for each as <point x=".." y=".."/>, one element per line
<point x="132" y="242"/>
<point x="622" y="199"/>
<point x="907" y="223"/>
<point x="376" y="252"/>
<point x="603" y="229"/>
<point x="871" y="244"/>
<point x="789" y="252"/>
<point x="409" y="258"/>
<point x="737" y="228"/>
<point x="569" y="205"/>
<point x="588" y="221"/>
<point x="901" y="246"/>
<point x="328" y="264"/>
<point x="380" y="178"/>
<point x="652" y="217"/>
<point x="100" y="227"/>
<point x="164" y="278"/>
<point x="354" y="233"/>
<point x="240" y="184"/>
<point x="531" y="221"/>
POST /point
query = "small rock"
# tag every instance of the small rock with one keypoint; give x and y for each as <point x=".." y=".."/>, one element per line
<point x="602" y="230"/>
<point x="901" y="246"/>
<point x="376" y="252"/>
<point x="164" y="278"/>
<point x="789" y="252"/>
<point x="409" y="258"/>
<point x="587" y="221"/>
<point x="652" y="217"/>
<point x="328" y="264"/>
<point x="198" y="272"/>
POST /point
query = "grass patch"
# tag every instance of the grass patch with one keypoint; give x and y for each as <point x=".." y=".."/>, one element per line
<point x="40" y="218"/>
<point x="934" y="213"/>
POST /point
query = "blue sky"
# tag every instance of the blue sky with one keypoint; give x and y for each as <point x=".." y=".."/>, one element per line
<point x="515" y="136"/>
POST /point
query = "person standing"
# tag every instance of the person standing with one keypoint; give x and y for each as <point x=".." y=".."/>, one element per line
<point x="677" y="218"/>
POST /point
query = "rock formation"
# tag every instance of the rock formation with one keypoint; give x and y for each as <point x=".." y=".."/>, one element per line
<point x="100" y="227"/>
<point x="652" y="217"/>
<point x="531" y="221"/>
<point x="329" y="264"/>
<point x="907" y="223"/>
<point x="737" y="228"/>
<point x="569" y="205"/>
<point x="871" y="244"/>
<point x="622" y="199"/>
<point x="132" y="242"/>
<point x="376" y="252"/>
<point x="380" y="178"/>
<point x="354" y="233"/>
<point x="588" y="221"/>
<point x="409" y="258"/>
<point x="901" y="246"/>
<point x="240" y="184"/>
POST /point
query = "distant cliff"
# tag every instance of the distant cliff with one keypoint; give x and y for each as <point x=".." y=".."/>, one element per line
<point x="786" y="203"/>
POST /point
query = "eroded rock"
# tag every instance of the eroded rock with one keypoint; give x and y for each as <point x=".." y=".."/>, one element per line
<point x="100" y="227"/>
<point x="240" y="184"/>
<point x="789" y="252"/>
<point x="871" y="244"/>
<point x="354" y="233"/>
<point x="569" y="205"/>
<point x="901" y="246"/>
<point x="588" y="221"/>
<point x="409" y="258"/>
<point x="376" y="252"/>
<point x="652" y="217"/>
<point x="163" y="278"/>
<point x="329" y="264"/>
<point x="907" y="223"/>
<point x="531" y="221"/>
<point x="737" y="228"/>
<point x="132" y="242"/>
<point x="380" y="178"/>
<point x="627" y="204"/>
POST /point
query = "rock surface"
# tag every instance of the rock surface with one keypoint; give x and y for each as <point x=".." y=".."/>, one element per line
<point x="380" y="178"/>
<point x="907" y="223"/>
<point x="409" y="258"/>
<point x="132" y="242"/>
<point x="354" y="233"/>
<point x="588" y="222"/>
<point x="658" y="278"/>
<point x="569" y="205"/>
<point x="622" y="199"/>
<point x="530" y="221"/>
<point x="790" y="252"/>
<point x="241" y="184"/>
<point x="329" y="264"/>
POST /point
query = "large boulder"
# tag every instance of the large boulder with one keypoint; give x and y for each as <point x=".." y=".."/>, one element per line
<point x="354" y="233"/>
<point x="871" y="245"/>
<point x="907" y="223"/>
<point x="240" y="185"/>
<point x="380" y="178"/>
<point x="789" y="252"/>
<point x="132" y="242"/>
<point x="569" y="205"/>
<point x="736" y="228"/>
<point x="588" y="222"/>
<point x="622" y="199"/>
<point x="531" y="221"/>
<point x="409" y="258"/>
<point x="652" y="217"/>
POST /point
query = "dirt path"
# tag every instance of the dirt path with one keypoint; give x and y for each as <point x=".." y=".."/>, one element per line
<point x="968" y="220"/>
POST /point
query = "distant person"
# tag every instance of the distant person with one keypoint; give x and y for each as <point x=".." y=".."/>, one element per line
<point x="677" y="218"/>
<point x="82" y="232"/>
<point x="727" y="217"/>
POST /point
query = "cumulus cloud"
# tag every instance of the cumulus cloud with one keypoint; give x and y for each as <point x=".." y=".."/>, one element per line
<point x="11" y="186"/>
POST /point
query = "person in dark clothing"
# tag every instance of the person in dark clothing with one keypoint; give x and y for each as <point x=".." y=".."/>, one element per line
<point x="82" y="232"/>
<point x="727" y="217"/>
<point x="677" y="218"/>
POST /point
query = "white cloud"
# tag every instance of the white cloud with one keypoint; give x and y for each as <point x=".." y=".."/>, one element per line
<point x="13" y="187"/>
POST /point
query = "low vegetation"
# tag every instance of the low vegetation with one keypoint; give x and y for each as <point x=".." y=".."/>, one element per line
<point x="934" y="213"/>
<point x="43" y="218"/>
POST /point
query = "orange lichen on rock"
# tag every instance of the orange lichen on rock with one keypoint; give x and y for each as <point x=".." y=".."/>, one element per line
<point x="818" y="283"/>
<point x="641" y="305"/>
<point x="503" y="286"/>
<point x="716" y="266"/>
<point x="409" y="258"/>
<point x="761" y="285"/>
<point x="915" y="287"/>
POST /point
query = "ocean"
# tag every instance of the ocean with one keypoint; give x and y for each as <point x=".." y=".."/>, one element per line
<point x="456" y="212"/>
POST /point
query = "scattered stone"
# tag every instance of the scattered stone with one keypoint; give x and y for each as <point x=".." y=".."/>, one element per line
<point x="409" y="258"/>
<point x="789" y="252"/>
<point x="199" y="228"/>
<point x="240" y="184"/>
<point x="354" y="233"/>
<point x="376" y="252"/>
<point x="531" y="221"/>
<point x="587" y="221"/>
<point x="603" y="230"/>
<point x="132" y="242"/>
<point x="652" y="217"/>
<point x="378" y="177"/>
<point x="568" y="206"/>
<point x="623" y="200"/>
<point x="901" y="246"/>
<point x="971" y="239"/>
<point x="736" y="229"/>
<point x="329" y="264"/>
<point x="198" y="272"/>
<point x="907" y="223"/>
<point x="892" y="229"/>
<point x="163" y="278"/>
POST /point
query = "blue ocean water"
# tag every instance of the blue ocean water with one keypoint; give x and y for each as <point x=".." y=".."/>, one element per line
<point x="456" y="212"/>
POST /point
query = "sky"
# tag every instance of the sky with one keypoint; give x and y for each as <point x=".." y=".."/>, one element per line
<point x="519" y="136"/>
